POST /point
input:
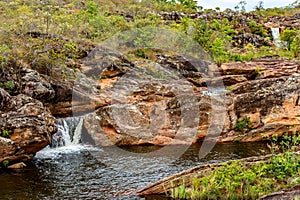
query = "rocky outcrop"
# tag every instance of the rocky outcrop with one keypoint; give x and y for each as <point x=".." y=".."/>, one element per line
<point x="283" y="22"/>
<point x="26" y="127"/>
<point x="189" y="105"/>
<point x="171" y="99"/>
<point x="248" y="38"/>
<point x="240" y="19"/>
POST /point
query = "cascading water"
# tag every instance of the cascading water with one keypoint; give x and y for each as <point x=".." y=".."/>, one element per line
<point x="66" y="140"/>
<point x="69" y="132"/>
<point x="276" y="37"/>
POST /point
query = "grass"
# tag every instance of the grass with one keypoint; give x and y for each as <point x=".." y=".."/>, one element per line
<point x="235" y="180"/>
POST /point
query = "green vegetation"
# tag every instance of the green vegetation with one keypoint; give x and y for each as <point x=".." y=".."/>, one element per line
<point x="5" y="134"/>
<point x="191" y="4"/>
<point x="47" y="36"/>
<point x="244" y="125"/>
<point x="235" y="180"/>
<point x="8" y="85"/>
<point x="292" y="39"/>
<point x="229" y="88"/>
<point x="5" y="163"/>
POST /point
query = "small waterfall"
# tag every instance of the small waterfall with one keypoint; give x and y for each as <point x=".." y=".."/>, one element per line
<point x="69" y="132"/>
<point x="276" y="37"/>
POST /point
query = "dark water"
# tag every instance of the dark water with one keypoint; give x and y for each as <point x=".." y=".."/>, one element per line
<point x="78" y="172"/>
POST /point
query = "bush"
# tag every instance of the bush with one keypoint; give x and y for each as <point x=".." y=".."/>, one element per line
<point x="258" y="29"/>
<point x="244" y="125"/>
<point x="295" y="46"/>
<point x="288" y="36"/>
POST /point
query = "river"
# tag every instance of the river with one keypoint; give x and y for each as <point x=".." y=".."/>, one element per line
<point x="85" y="172"/>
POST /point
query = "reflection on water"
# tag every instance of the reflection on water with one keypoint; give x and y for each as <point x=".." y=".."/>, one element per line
<point x="81" y="172"/>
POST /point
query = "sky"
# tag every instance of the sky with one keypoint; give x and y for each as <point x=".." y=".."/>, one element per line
<point x="223" y="4"/>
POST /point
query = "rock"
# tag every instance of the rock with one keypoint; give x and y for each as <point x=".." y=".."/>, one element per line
<point x="104" y="62"/>
<point x="248" y="38"/>
<point x="297" y="15"/>
<point x="149" y="110"/>
<point x="35" y="86"/>
<point x="226" y="80"/>
<point x="150" y="116"/>
<point x="75" y="97"/>
<point x="17" y="166"/>
<point x="29" y="126"/>
<point x="271" y="105"/>
<point x="152" y="111"/>
<point x="290" y="193"/>
<point x="263" y="68"/>
<point x="187" y="66"/>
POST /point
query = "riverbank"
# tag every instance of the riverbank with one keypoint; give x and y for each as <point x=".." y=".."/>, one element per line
<point x="251" y="178"/>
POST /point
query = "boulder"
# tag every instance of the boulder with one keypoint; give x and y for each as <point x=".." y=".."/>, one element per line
<point x="26" y="127"/>
<point x="152" y="115"/>
<point x="35" y="86"/>
<point x="248" y="38"/>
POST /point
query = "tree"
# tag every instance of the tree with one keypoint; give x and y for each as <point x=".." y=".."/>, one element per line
<point x="260" y="6"/>
<point x="241" y="6"/>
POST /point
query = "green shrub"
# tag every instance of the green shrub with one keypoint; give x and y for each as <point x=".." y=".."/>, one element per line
<point x="5" y="163"/>
<point x="9" y="85"/>
<point x="257" y="29"/>
<point x="244" y="125"/>
<point x="5" y="134"/>
<point x="295" y="46"/>
<point x="289" y="35"/>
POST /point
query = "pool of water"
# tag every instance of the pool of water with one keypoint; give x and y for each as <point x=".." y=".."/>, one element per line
<point x="81" y="172"/>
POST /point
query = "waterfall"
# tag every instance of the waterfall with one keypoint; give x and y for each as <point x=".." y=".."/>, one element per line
<point x="69" y="132"/>
<point x="276" y="37"/>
